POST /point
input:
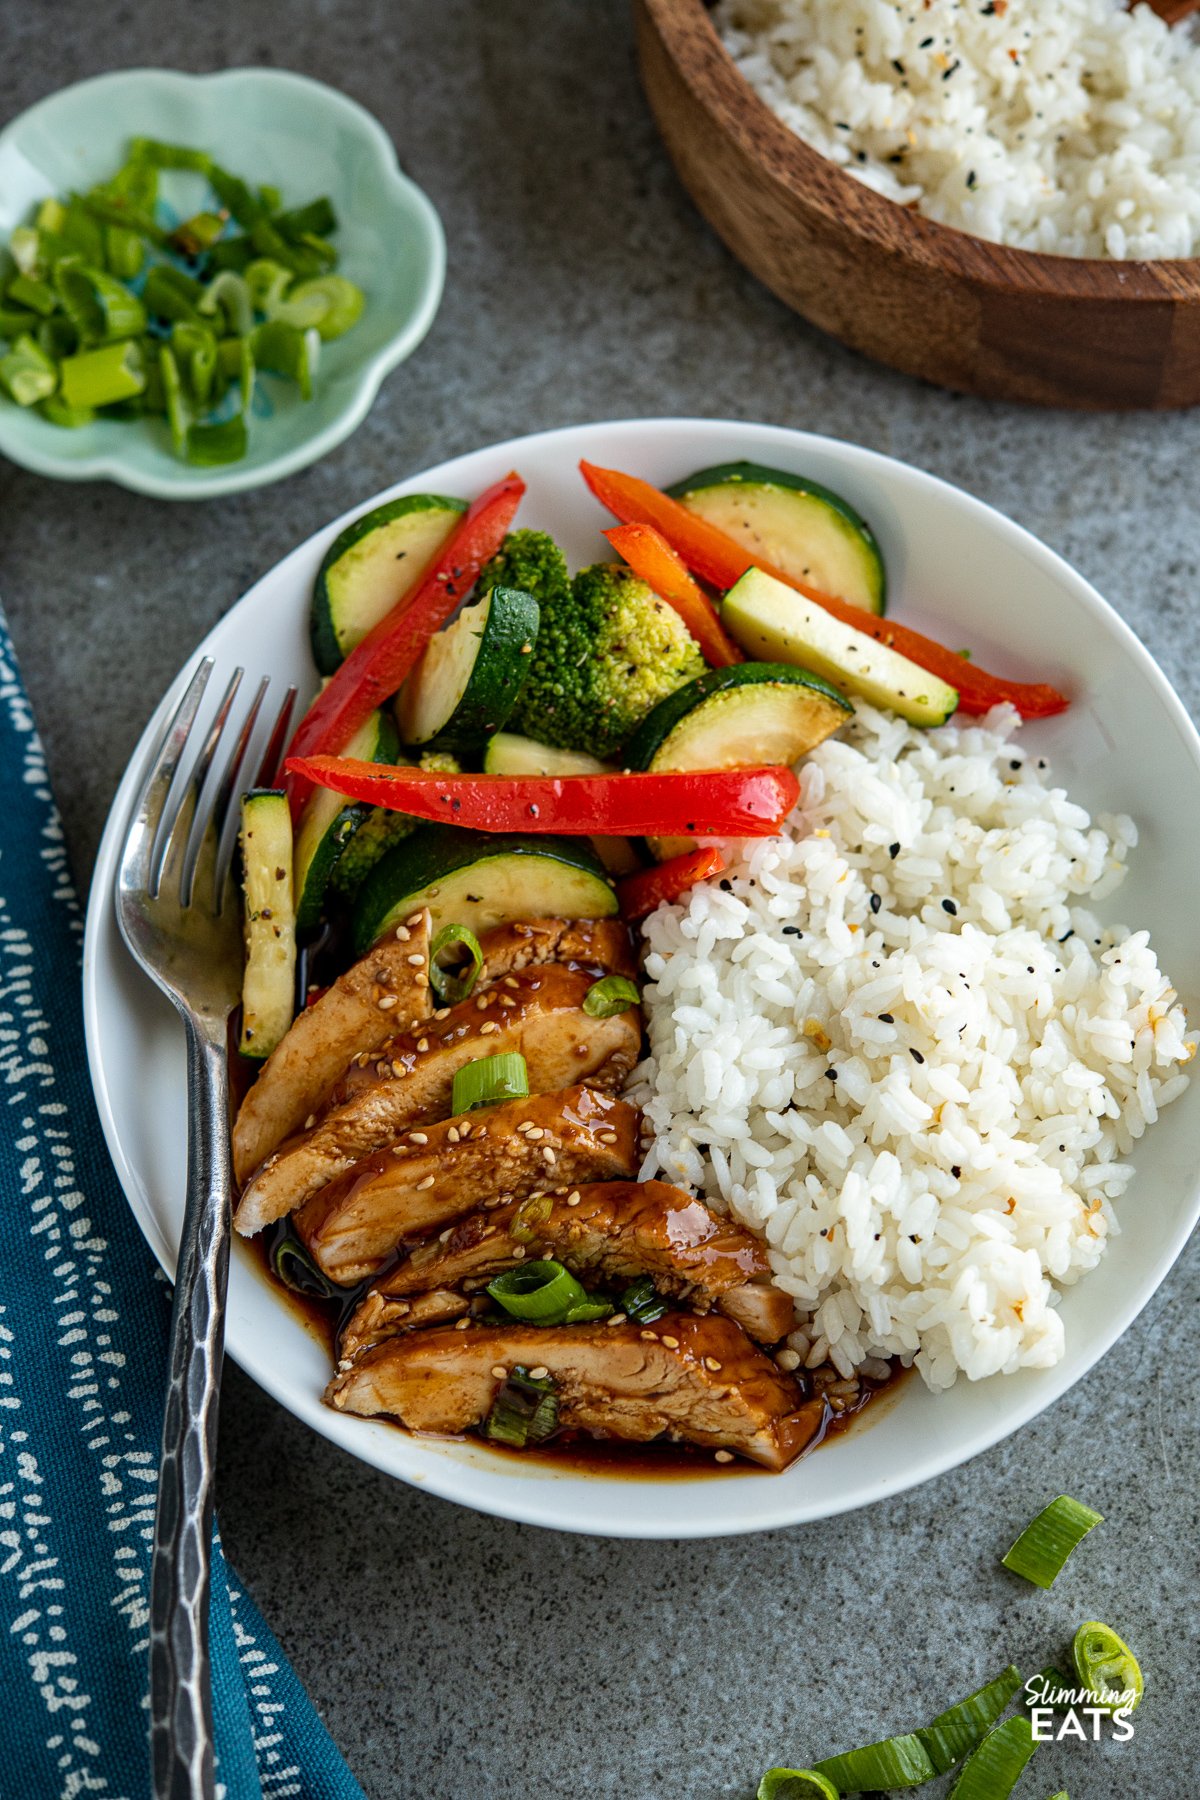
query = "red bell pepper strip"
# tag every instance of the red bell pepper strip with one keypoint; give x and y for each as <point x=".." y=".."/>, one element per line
<point x="375" y="669"/>
<point x="649" y="555"/>
<point x="719" y="560"/>
<point x="693" y="803"/>
<point x="639" y="894"/>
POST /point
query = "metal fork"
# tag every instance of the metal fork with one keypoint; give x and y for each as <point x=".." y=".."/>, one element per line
<point x="179" y="917"/>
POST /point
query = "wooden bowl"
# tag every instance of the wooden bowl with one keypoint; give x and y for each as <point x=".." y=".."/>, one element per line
<point x="933" y="301"/>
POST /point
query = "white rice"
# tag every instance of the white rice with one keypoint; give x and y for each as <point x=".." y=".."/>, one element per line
<point x="994" y="1064"/>
<point x="1070" y="127"/>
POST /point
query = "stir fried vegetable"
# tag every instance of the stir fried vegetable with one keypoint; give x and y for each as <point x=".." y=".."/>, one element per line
<point x="112" y="305"/>
<point x="639" y="894"/>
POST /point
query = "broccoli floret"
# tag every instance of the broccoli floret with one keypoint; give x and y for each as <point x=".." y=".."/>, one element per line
<point x="376" y="834"/>
<point x="531" y="561"/>
<point x="607" y="652"/>
<point x="439" y="762"/>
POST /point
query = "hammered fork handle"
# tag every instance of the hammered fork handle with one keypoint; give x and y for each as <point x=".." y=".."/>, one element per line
<point x="181" y="1723"/>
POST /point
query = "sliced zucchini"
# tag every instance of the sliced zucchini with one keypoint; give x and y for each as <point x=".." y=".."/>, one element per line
<point x="373" y="564"/>
<point x="769" y="619"/>
<point x="800" y="526"/>
<point x="509" y="754"/>
<point x="470" y="674"/>
<point x="749" y="713"/>
<point x="269" y="979"/>
<point x="478" y="879"/>
<point x="330" y="824"/>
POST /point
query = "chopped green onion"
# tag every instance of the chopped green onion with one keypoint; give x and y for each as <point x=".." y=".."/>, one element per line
<point x="99" y="377"/>
<point x="25" y="246"/>
<point x="318" y="218"/>
<point x="641" y="1302"/>
<point x="96" y="210"/>
<point x="232" y="253"/>
<point x="195" y="349"/>
<point x="329" y="304"/>
<point x="212" y="444"/>
<point x="27" y="290"/>
<point x="161" y="155"/>
<point x="897" y="1762"/>
<point x="271" y="197"/>
<point x="229" y="293"/>
<point x="795" y="1784"/>
<point x="296" y="1269"/>
<point x="544" y="1293"/>
<point x="123" y="251"/>
<point x="26" y="374"/>
<point x="57" y="337"/>
<point x="267" y="282"/>
<point x="452" y="986"/>
<point x="611" y="995"/>
<point x="955" y="1732"/>
<point x="51" y="215"/>
<point x="524" y="1412"/>
<point x="14" y="320"/>
<point x="198" y="234"/>
<point x="1042" y="1549"/>
<point x="177" y="415"/>
<point x="70" y="417"/>
<point x="170" y="294"/>
<point x="102" y="308"/>
<point x="235" y="195"/>
<point x="1107" y="1667"/>
<point x="1062" y="1794"/>
<point x="994" y="1769"/>
<point x="489" y="1080"/>
<point x="284" y="350"/>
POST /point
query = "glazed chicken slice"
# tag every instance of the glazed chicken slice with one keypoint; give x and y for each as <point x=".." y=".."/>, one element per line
<point x="696" y="1380"/>
<point x="434" y="1175"/>
<point x="355" y="1015"/>
<point x="606" y="1231"/>
<point x="409" y="1080"/>
<point x="586" y="943"/>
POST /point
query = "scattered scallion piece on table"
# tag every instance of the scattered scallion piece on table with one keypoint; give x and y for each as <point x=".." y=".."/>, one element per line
<point x="241" y="284"/>
<point x="1048" y="1681"/>
<point x="1107" y="1667"/>
<point x="1041" y="1551"/>
<point x="524" y="1411"/>
<point x="450" y="986"/>
<point x="956" y="1732"/>
<point x="993" y="1770"/>
<point x="795" y="1784"/>
<point x="896" y="1762"/>
<point x="489" y="1080"/>
<point x="611" y="995"/>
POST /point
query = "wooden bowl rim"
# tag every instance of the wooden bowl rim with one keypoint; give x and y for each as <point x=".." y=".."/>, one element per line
<point x="820" y="185"/>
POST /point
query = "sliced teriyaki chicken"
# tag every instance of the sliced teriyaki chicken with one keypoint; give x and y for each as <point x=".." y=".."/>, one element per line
<point x="696" y="1380"/>
<point x="409" y="1080"/>
<point x="357" y="1014"/>
<point x="587" y="943"/>
<point x="434" y="1175"/>
<point x="610" y="1231"/>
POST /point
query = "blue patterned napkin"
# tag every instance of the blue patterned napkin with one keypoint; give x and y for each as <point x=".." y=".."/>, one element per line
<point x="83" y="1352"/>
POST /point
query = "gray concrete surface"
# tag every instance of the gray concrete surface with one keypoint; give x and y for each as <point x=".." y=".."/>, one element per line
<point x="452" y="1654"/>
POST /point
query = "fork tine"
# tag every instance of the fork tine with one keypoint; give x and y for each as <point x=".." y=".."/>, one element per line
<point x="268" y="769"/>
<point x="222" y="859"/>
<point x="180" y="852"/>
<point x="137" y="856"/>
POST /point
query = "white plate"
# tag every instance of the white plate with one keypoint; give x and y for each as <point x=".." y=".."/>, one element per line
<point x="957" y="569"/>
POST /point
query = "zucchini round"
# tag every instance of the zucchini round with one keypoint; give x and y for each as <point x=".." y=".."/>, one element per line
<point x="740" y="716"/>
<point x="471" y="674"/>
<point x="330" y="827"/>
<point x="269" y="921"/>
<point x="510" y="754"/>
<point x="373" y="564"/>
<point x="478" y="879"/>
<point x="797" y="525"/>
